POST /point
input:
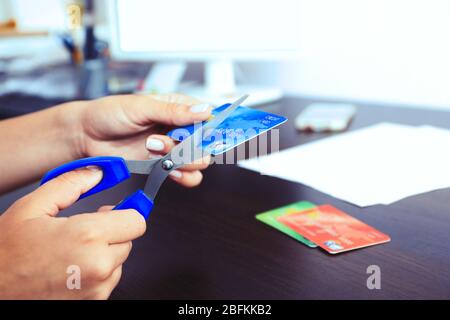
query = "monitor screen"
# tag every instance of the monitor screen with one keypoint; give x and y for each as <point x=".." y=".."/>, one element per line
<point x="204" y="28"/>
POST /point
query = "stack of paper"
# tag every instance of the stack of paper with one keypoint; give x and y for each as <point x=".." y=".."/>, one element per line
<point x="380" y="164"/>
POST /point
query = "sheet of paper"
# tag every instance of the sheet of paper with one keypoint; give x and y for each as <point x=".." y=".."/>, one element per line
<point x="380" y="164"/>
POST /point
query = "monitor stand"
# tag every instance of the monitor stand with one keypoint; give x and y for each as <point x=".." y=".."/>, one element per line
<point x="220" y="87"/>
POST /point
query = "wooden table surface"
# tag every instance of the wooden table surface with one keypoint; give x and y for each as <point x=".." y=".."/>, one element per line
<point x="205" y="243"/>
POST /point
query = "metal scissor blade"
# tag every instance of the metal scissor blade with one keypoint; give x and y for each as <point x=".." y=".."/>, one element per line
<point x="190" y="143"/>
<point x="214" y="123"/>
<point x="151" y="167"/>
<point x="159" y="173"/>
<point x="141" y="166"/>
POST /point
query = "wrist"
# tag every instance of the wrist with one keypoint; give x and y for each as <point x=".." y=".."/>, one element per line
<point x="71" y="126"/>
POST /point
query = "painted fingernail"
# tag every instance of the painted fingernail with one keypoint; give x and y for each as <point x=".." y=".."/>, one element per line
<point x="176" y="174"/>
<point x="154" y="144"/>
<point x="198" y="108"/>
<point x="95" y="173"/>
<point x="93" y="168"/>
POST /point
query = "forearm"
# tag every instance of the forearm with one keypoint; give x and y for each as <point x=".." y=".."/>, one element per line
<point x="32" y="144"/>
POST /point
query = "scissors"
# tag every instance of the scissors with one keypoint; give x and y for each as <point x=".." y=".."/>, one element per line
<point x="116" y="169"/>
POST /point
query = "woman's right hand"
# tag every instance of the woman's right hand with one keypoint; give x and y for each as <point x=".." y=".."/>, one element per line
<point x="42" y="255"/>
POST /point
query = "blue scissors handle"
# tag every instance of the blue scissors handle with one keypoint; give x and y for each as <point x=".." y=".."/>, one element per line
<point x="115" y="171"/>
<point x="137" y="201"/>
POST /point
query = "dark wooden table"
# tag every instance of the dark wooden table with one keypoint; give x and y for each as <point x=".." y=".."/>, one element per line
<point x="205" y="243"/>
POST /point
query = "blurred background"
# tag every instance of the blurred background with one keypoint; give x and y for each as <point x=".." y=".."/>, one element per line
<point x="390" y="52"/>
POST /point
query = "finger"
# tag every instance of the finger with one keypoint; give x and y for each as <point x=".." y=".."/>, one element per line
<point x="120" y="252"/>
<point x="105" y="208"/>
<point x="113" y="281"/>
<point x="200" y="164"/>
<point x="176" y="98"/>
<point x="60" y="192"/>
<point x="144" y="109"/>
<point x="188" y="179"/>
<point x="120" y="226"/>
<point x="104" y="290"/>
<point x="159" y="143"/>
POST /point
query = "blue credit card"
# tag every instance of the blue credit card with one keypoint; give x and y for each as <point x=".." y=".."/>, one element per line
<point x="242" y="125"/>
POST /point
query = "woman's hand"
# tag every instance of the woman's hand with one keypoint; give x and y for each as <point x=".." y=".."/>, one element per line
<point x="134" y="127"/>
<point x="130" y="126"/>
<point x="41" y="254"/>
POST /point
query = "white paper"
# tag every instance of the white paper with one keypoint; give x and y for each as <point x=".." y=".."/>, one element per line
<point x="380" y="164"/>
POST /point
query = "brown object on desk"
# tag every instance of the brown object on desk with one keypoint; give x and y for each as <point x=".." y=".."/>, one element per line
<point x="9" y="29"/>
<point x="8" y="25"/>
<point x="77" y="56"/>
<point x="205" y="243"/>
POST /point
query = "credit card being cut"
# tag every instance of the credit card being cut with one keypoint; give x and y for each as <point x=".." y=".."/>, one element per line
<point x="242" y="125"/>
<point x="333" y="230"/>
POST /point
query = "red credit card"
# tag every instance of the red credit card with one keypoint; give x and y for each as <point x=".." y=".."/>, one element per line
<point x="333" y="230"/>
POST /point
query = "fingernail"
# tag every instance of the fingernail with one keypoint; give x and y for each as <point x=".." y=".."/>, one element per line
<point x="93" y="168"/>
<point x="95" y="173"/>
<point x="154" y="144"/>
<point x="198" y="108"/>
<point x="176" y="174"/>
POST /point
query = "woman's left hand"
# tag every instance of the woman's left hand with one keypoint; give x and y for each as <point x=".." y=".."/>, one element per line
<point x="134" y="127"/>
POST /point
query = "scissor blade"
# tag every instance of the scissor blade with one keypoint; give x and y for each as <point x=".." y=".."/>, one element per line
<point x="214" y="123"/>
<point x="190" y="143"/>
<point x="157" y="174"/>
<point x="141" y="166"/>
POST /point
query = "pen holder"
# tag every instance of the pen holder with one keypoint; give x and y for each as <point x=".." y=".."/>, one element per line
<point x="93" y="79"/>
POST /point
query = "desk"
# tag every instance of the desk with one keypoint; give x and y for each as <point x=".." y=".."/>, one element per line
<point x="205" y="243"/>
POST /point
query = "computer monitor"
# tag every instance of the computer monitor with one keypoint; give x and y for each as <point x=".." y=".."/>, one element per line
<point x="217" y="33"/>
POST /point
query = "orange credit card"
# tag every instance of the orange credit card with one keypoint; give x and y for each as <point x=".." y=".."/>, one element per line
<point x="333" y="230"/>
